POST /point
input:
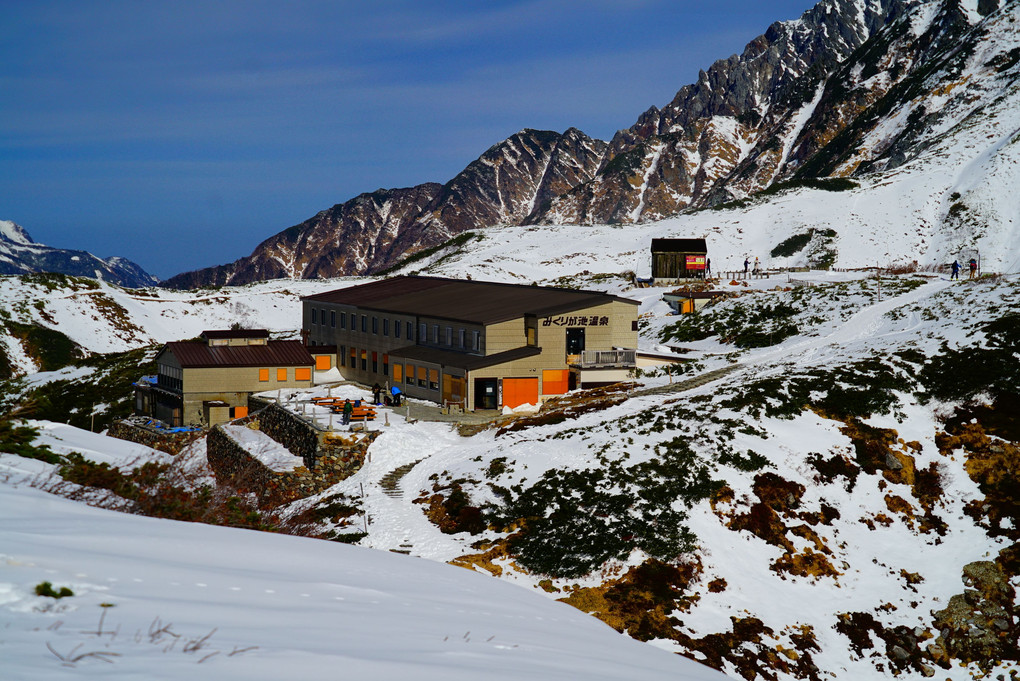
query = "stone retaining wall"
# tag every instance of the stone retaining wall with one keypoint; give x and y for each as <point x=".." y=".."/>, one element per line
<point x="171" y="443"/>
<point x="297" y="435"/>
<point x="337" y="459"/>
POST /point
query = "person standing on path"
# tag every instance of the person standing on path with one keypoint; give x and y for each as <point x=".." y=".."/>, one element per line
<point x="348" y="410"/>
<point x="956" y="270"/>
<point x="973" y="267"/>
<point x="746" y="263"/>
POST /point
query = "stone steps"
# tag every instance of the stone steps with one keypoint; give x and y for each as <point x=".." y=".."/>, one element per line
<point x="391" y="481"/>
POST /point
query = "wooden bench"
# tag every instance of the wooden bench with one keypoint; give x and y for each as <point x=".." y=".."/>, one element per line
<point x="362" y="412"/>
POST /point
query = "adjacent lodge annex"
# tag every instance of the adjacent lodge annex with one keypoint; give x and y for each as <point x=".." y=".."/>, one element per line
<point x="464" y="344"/>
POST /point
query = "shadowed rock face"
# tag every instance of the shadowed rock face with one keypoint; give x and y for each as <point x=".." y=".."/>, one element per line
<point x="803" y="100"/>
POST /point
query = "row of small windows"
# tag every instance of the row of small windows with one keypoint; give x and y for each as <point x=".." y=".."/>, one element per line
<point x="170" y="378"/>
<point x="422" y="377"/>
<point x="282" y="373"/>
<point x="319" y="317"/>
<point x="440" y="335"/>
<point x="360" y="359"/>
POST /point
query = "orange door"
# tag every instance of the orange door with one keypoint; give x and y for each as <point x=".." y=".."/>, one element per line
<point x="518" y="391"/>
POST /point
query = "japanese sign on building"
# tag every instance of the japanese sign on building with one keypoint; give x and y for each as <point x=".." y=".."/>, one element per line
<point x="695" y="262"/>
<point x="576" y="320"/>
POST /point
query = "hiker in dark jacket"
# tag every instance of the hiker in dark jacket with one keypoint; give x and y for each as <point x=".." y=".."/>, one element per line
<point x="973" y="267"/>
<point x="348" y="410"/>
<point x="956" y="270"/>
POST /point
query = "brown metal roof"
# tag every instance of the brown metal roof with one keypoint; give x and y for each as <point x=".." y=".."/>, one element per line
<point x="192" y="355"/>
<point x="478" y="302"/>
<point x="461" y="360"/>
<point x="236" y="333"/>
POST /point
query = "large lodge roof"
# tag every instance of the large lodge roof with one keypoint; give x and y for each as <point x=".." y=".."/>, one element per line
<point x="479" y="302"/>
<point x="195" y="355"/>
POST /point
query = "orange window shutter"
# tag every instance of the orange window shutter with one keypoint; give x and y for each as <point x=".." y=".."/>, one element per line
<point x="398" y="373"/>
<point x="281" y="374"/>
<point x="434" y="375"/>
<point x="422" y="373"/>
<point x="302" y="374"/>
<point x="555" y="381"/>
<point x="322" y="363"/>
<point x="263" y="374"/>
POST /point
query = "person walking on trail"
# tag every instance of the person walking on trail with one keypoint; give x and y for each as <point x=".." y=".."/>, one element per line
<point x="708" y="268"/>
<point x="348" y="410"/>
<point x="956" y="270"/>
<point x="756" y="264"/>
<point x="973" y="267"/>
<point x="376" y="391"/>
<point x="746" y="263"/>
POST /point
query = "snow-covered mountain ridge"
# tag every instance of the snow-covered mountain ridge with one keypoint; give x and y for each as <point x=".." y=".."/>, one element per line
<point x="20" y="254"/>
<point x="854" y="89"/>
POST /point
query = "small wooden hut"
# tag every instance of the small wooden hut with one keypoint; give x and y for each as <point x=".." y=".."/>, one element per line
<point x="676" y="259"/>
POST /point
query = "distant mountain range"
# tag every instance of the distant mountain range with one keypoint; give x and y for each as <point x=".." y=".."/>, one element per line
<point x="852" y="88"/>
<point x="19" y="254"/>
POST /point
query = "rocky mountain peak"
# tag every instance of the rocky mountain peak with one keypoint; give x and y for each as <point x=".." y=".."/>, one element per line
<point x="798" y="102"/>
<point x="20" y="254"/>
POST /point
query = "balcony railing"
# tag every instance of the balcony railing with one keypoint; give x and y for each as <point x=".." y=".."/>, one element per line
<point x="590" y="359"/>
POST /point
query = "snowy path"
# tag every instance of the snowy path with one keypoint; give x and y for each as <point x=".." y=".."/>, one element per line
<point x="395" y="522"/>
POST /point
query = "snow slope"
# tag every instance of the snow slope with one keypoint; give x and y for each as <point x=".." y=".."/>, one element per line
<point x="157" y="599"/>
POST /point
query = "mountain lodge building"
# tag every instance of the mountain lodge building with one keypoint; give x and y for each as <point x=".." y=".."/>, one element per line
<point x="474" y="344"/>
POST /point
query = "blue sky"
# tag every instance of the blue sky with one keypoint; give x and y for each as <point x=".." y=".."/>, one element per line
<point x="181" y="134"/>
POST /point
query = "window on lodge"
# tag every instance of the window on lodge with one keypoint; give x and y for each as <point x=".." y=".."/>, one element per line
<point x="435" y="334"/>
<point x="409" y="374"/>
<point x="375" y="325"/>
<point x="410" y="331"/>
<point x="314" y="316"/>
<point x="332" y="318"/>
<point x="396" y="328"/>
<point x="461" y="335"/>
<point x="385" y="327"/>
<point x="423" y="332"/>
<point x="449" y="336"/>
<point x="343" y="320"/>
<point x="575" y="341"/>
<point x="364" y="323"/>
